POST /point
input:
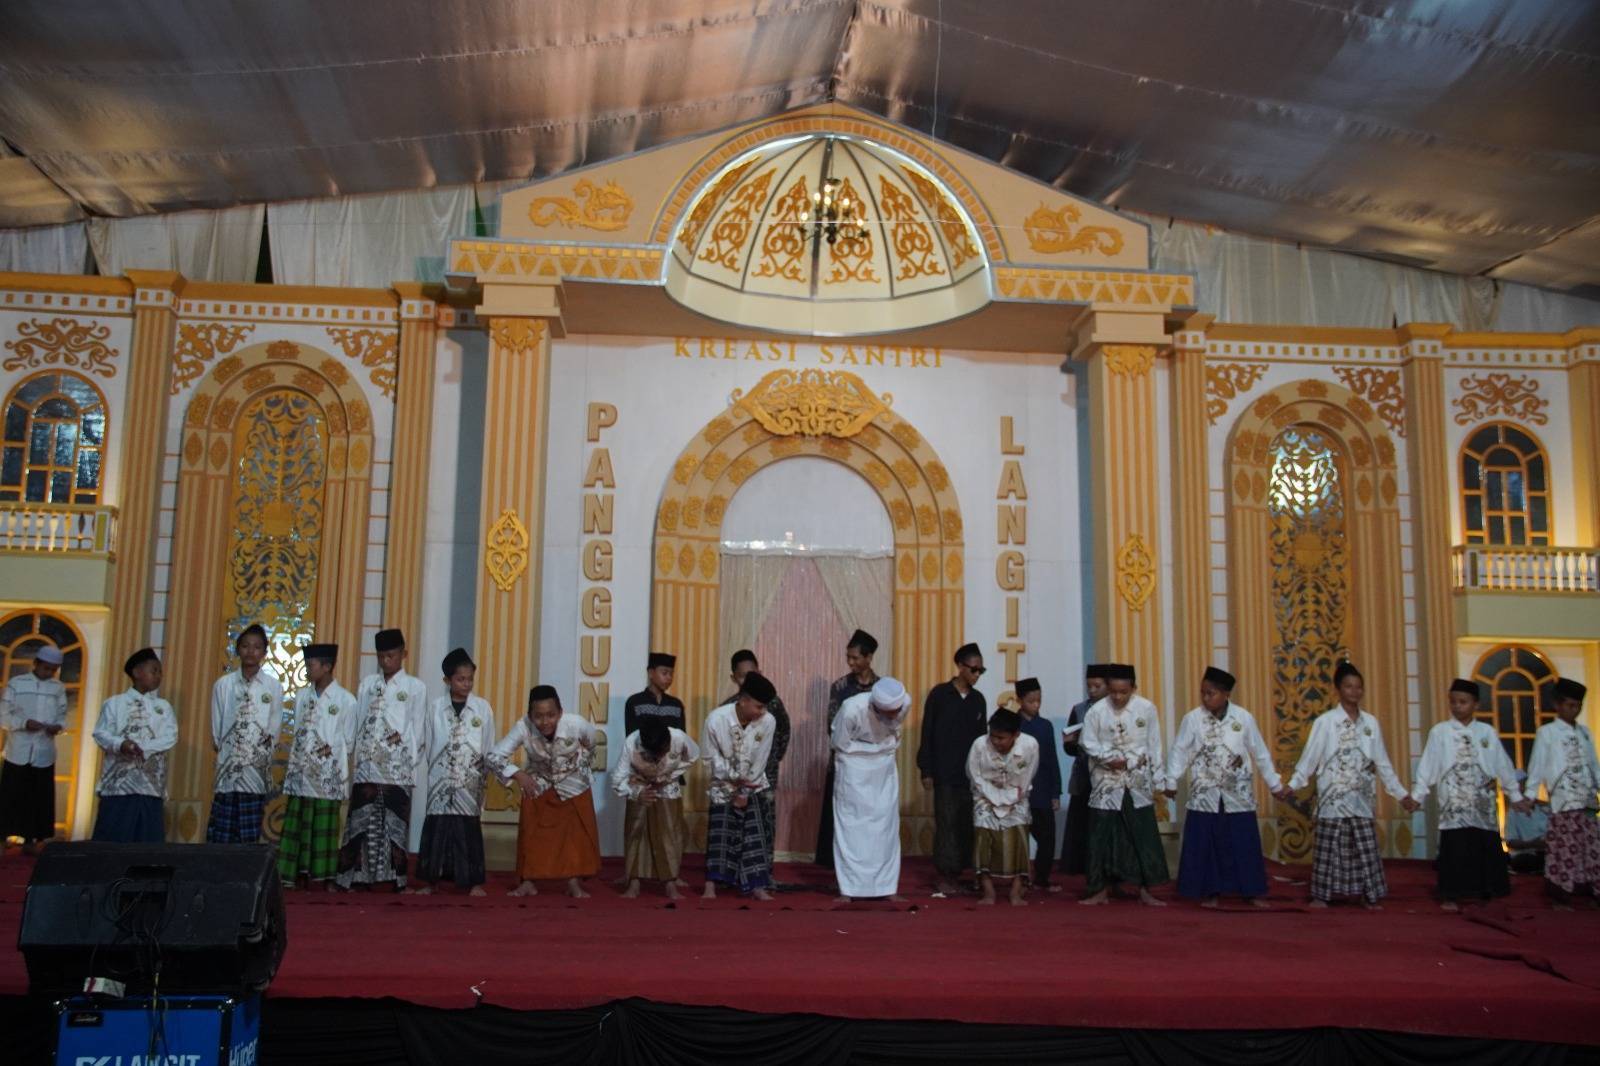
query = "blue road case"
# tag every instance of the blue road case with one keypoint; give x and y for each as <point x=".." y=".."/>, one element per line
<point x="163" y="1031"/>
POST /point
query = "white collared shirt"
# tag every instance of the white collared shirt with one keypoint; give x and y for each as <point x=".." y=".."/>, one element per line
<point x="636" y="774"/>
<point x="1348" y="759"/>
<point x="1000" y="782"/>
<point x="27" y="696"/>
<point x="148" y="721"/>
<point x="398" y="706"/>
<point x="564" y="762"/>
<point x="1221" y="755"/>
<point x="1464" y="762"/>
<point x="457" y="748"/>
<point x="246" y="717"/>
<point x="736" y="753"/>
<point x="1134" y="734"/>
<point x="327" y="720"/>
<point x="1564" y="762"/>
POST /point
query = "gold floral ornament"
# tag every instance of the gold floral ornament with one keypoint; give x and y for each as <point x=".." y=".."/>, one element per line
<point x="1129" y="360"/>
<point x="1487" y="395"/>
<point x="505" y="550"/>
<point x="198" y="344"/>
<point x="67" y="341"/>
<point x="1051" y="232"/>
<point x="376" y="349"/>
<point x="598" y="207"/>
<point x="812" y="403"/>
<point x="1225" y="381"/>
<point x="520" y="336"/>
<point x="1136" y="572"/>
<point x="1380" y="388"/>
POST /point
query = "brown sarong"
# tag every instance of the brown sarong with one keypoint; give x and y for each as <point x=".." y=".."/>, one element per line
<point x="654" y="835"/>
<point x="557" y="838"/>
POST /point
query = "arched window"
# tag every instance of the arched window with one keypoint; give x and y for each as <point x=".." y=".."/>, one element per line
<point x="55" y="438"/>
<point x="1505" y="488"/>
<point x="1517" y="679"/>
<point x="21" y="635"/>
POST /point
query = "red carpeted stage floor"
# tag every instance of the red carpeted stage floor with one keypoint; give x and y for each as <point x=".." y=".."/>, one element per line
<point x="1513" y="970"/>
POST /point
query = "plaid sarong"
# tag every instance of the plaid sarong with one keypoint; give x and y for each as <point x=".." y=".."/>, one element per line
<point x="736" y="851"/>
<point x="1346" y="861"/>
<point x="310" y="840"/>
<point x="235" y="818"/>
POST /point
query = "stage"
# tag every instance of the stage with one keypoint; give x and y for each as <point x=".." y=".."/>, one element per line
<point x="1101" y="982"/>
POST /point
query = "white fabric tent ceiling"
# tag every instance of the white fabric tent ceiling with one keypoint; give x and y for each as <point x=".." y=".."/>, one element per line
<point x="1461" y="135"/>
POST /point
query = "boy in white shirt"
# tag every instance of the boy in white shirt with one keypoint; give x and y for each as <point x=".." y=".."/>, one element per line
<point x="246" y="715"/>
<point x="1563" y="763"/>
<point x="1345" y="754"/>
<point x="33" y="711"/>
<point x="1122" y="739"/>
<point x="318" y="774"/>
<point x="392" y="708"/>
<point x="135" y="731"/>
<point x="1465" y="761"/>
<point x="1000" y="768"/>
<point x="737" y="741"/>
<point x="650" y="777"/>
<point x="459" y="736"/>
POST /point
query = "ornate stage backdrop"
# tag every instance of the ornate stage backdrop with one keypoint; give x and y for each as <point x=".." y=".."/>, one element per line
<point x="537" y="461"/>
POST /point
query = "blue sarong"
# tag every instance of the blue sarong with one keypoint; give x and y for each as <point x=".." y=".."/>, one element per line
<point x="1221" y="856"/>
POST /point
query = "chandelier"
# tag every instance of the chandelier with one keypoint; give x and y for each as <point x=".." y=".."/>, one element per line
<point x="832" y="215"/>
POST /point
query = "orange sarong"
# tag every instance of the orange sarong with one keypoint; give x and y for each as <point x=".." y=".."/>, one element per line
<point x="557" y="838"/>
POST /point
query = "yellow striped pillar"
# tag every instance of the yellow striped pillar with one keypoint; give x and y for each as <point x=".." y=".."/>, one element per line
<point x="1191" y="507"/>
<point x="515" y="424"/>
<point x="409" y="458"/>
<point x="1432" y="498"/>
<point x="1125" y="492"/>
<point x="144" y="434"/>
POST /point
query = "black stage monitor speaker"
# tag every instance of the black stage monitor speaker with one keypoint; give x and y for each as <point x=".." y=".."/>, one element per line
<point x="173" y="917"/>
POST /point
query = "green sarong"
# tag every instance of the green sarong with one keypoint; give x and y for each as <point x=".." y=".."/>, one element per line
<point x="1125" y="845"/>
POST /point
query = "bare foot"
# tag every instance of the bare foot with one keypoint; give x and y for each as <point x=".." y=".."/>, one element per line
<point x="680" y="882"/>
<point x="422" y="890"/>
<point x="1319" y="904"/>
<point x="1374" y="906"/>
<point x="945" y="888"/>
<point x="764" y="895"/>
<point x="1148" y="900"/>
<point x="987" y="901"/>
<point x="710" y="891"/>
<point x="1561" y="906"/>
<point x="632" y="891"/>
<point x="477" y="890"/>
<point x="1017" y="889"/>
<point x="842" y="899"/>
<point x="332" y="887"/>
<point x="1259" y="903"/>
<point x="575" y="889"/>
<point x="1096" y="900"/>
<point x="897" y="898"/>
<point x="525" y="888"/>
<point x="1211" y="903"/>
<point x="672" y="890"/>
<point x="1052" y="889"/>
<point x="1018" y="901"/>
<point x="1450" y="906"/>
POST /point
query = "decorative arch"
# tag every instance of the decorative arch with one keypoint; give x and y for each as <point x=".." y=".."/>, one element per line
<point x="197" y="637"/>
<point x="73" y="413"/>
<point x="1374" y="636"/>
<point x="22" y="634"/>
<point x="834" y="415"/>
<point x="1505" y="486"/>
<point x="1518" y="679"/>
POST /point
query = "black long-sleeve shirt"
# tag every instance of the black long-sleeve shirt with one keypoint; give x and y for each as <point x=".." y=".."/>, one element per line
<point x="645" y="705"/>
<point x="950" y="723"/>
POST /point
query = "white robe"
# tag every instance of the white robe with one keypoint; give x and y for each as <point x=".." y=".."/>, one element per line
<point x="866" y="799"/>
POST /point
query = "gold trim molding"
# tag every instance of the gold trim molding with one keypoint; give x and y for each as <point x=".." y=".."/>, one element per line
<point x="505" y="550"/>
<point x="1136" y="572"/>
<point x="812" y="403"/>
